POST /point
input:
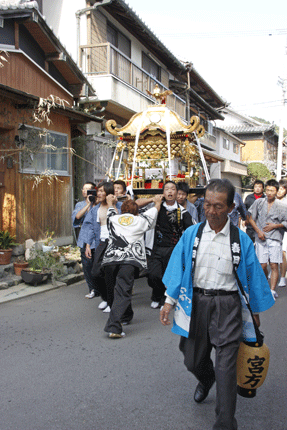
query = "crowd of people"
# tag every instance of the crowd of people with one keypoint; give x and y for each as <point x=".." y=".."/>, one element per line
<point x="195" y="258"/>
<point x="266" y="230"/>
<point x="114" y="235"/>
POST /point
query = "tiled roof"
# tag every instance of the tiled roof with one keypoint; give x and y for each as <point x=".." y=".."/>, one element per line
<point x="17" y="4"/>
<point x="243" y="128"/>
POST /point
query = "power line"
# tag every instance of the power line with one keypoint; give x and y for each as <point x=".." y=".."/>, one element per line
<point x="262" y="107"/>
<point x="261" y="103"/>
<point x="240" y="33"/>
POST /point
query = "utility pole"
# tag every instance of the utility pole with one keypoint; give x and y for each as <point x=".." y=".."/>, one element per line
<point x="283" y="84"/>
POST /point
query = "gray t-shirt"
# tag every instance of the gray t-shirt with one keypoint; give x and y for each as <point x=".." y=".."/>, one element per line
<point x="276" y="215"/>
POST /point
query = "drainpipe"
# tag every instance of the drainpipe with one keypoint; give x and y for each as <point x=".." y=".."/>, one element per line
<point x="189" y="67"/>
<point x="81" y="12"/>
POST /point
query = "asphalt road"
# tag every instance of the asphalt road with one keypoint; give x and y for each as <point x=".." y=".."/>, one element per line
<point x="59" y="371"/>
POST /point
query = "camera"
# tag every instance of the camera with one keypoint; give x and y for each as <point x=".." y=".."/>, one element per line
<point x="92" y="195"/>
<point x="122" y="198"/>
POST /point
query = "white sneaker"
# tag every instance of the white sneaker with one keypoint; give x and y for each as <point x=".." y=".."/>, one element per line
<point x="103" y="305"/>
<point x="274" y="294"/>
<point x="107" y="309"/>
<point x="154" y="305"/>
<point x="282" y="282"/>
<point x="91" y="295"/>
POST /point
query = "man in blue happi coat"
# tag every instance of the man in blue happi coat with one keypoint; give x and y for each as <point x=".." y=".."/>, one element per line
<point x="209" y="309"/>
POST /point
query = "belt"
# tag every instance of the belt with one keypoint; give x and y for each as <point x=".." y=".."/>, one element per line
<point x="209" y="292"/>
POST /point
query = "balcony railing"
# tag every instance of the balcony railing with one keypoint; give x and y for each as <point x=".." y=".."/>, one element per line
<point x="105" y="59"/>
<point x="208" y="140"/>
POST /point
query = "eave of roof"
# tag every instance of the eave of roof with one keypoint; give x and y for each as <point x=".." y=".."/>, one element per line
<point x="209" y="109"/>
<point x="212" y="157"/>
<point x="30" y="101"/>
<point x="134" y="24"/>
<point x="31" y="18"/>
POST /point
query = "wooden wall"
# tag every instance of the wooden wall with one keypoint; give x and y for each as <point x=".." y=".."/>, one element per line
<point x="44" y="207"/>
<point x="25" y="211"/>
<point x="22" y="74"/>
<point x="97" y="26"/>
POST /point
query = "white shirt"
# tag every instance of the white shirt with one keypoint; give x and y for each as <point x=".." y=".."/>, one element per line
<point x="102" y="219"/>
<point x="170" y="207"/>
<point x="214" y="268"/>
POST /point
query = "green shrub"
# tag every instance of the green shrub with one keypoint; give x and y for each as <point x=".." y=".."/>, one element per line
<point x="40" y="261"/>
<point x="6" y="240"/>
<point x="256" y="171"/>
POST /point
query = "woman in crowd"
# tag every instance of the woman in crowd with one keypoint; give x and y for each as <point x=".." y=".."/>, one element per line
<point x="98" y="232"/>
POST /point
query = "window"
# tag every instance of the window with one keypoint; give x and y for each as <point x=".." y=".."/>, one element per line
<point x="210" y="128"/>
<point x="236" y="148"/>
<point x="45" y="151"/>
<point x="103" y="158"/>
<point x="119" y="40"/>
<point x="226" y="143"/>
<point x="150" y="66"/>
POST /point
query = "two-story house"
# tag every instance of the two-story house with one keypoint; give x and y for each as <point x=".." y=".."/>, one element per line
<point x="261" y="140"/>
<point x="230" y="147"/>
<point x="123" y="58"/>
<point x="36" y="164"/>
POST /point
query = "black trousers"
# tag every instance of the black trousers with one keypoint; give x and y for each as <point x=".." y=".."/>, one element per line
<point x="87" y="264"/>
<point x="98" y="271"/>
<point x="121" y="309"/>
<point x="157" y="263"/>
<point x="216" y="322"/>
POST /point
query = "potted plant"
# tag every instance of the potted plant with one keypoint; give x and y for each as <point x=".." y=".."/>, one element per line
<point x="20" y="264"/>
<point x="6" y="243"/>
<point x="49" y="242"/>
<point x="42" y="265"/>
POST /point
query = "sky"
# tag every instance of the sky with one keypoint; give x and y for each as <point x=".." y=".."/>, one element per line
<point x="239" y="48"/>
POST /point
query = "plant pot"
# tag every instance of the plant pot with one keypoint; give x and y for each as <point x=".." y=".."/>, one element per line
<point x="19" y="266"/>
<point x="5" y="256"/>
<point x="34" y="278"/>
<point x="47" y="248"/>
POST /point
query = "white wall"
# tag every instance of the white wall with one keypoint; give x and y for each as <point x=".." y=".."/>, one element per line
<point x="227" y="153"/>
<point x="110" y="88"/>
<point x="232" y="117"/>
<point x="61" y="16"/>
<point x="235" y="180"/>
<point x="215" y="170"/>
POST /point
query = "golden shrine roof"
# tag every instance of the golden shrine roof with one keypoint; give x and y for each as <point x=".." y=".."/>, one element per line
<point x="156" y="118"/>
